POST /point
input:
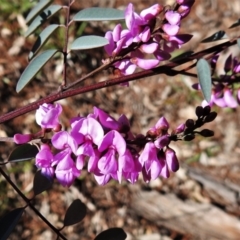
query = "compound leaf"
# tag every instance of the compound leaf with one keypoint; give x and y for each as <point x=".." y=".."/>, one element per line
<point x="112" y="233"/>
<point x="34" y="67"/>
<point x="42" y="18"/>
<point x="42" y="39"/>
<point x="88" y="42"/>
<point x="99" y="14"/>
<point x="37" y="9"/>
<point x="205" y="80"/>
<point x="41" y="183"/>
<point x="23" y="153"/>
<point x="9" y="221"/>
<point x="75" y="213"/>
<point x="215" y="37"/>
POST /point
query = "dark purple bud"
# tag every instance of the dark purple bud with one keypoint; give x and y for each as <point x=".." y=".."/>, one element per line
<point x="206" y="110"/>
<point x="189" y="123"/>
<point x="210" y="117"/>
<point x="206" y="133"/>
<point x="199" y="111"/>
<point x="171" y="160"/>
<point x="189" y="137"/>
<point x="214" y="61"/>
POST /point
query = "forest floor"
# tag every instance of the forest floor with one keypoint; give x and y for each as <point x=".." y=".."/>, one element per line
<point x="200" y="201"/>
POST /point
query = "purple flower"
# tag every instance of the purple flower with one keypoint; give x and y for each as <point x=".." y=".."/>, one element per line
<point x="44" y="160"/>
<point x="152" y="165"/>
<point x="87" y="132"/>
<point x="229" y="99"/>
<point x="66" y="171"/>
<point x="47" y="115"/>
<point x="173" y="17"/>
<point x="162" y="142"/>
<point x="129" y="167"/>
<point x="63" y="140"/>
<point x="105" y="119"/>
<point x="111" y="148"/>
<point x="171" y="160"/>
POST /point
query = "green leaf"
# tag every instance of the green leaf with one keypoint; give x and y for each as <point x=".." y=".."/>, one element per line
<point x="9" y="221"/>
<point x="182" y="56"/>
<point x="37" y="9"/>
<point x="112" y="233"/>
<point x="23" y="153"/>
<point x="99" y="14"/>
<point x="41" y="183"/>
<point x="34" y="67"/>
<point x="75" y="213"/>
<point x="89" y="42"/>
<point x="42" y="39"/>
<point x="205" y="80"/>
<point x="42" y="18"/>
<point x="215" y="37"/>
<point x="237" y="23"/>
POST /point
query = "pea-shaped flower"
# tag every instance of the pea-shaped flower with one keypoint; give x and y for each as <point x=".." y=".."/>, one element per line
<point x="47" y="115"/>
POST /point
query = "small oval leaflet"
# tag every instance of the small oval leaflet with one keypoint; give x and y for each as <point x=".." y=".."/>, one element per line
<point x="236" y="24"/>
<point x="42" y="18"/>
<point x="75" y="213"/>
<point x="215" y="37"/>
<point x="112" y="233"/>
<point x="37" y="9"/>
<point x="9" y="221"/>
<point x="205" y="80"/>
<point x="42" y="39"/>
<point x="34" y="67"/>
<point x="41" y="183"/>
<point x="99" y="14"/>
<point x="89" y="42"/>
<point x="23" y="153"/>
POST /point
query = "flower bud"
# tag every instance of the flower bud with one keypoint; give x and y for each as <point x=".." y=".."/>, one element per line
<point x="211" y="116"/>
<point x="189" y="137"/>
<point x="189" y="123"/>
<point x="171" y="160"/>
<point x="206" y="110"/>
<point x="22" y="138"/>
<point x="199" y="111"/>
<point x="207" y="133"/>
<point x="162" y="142"/>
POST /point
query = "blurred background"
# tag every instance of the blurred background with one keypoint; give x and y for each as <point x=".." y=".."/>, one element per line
<point x="200" y="201"/>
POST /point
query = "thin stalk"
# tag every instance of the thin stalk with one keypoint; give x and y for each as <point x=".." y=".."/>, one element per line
<point x="65" y="50"/>
<point x="164" y="69"/>
<point x="28" y="202"/>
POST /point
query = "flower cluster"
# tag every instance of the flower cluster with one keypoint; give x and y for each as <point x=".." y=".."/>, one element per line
<point x="225" y="91"/>
<point x="147" y="33"/>
<point x="106" y="146"/>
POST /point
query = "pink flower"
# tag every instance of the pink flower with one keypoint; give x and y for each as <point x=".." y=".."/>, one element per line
<point x="44" y="160"/>
<point x="66" y="171"/>
<point x="47" y="115"/>
<point x="112" y="147"/>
